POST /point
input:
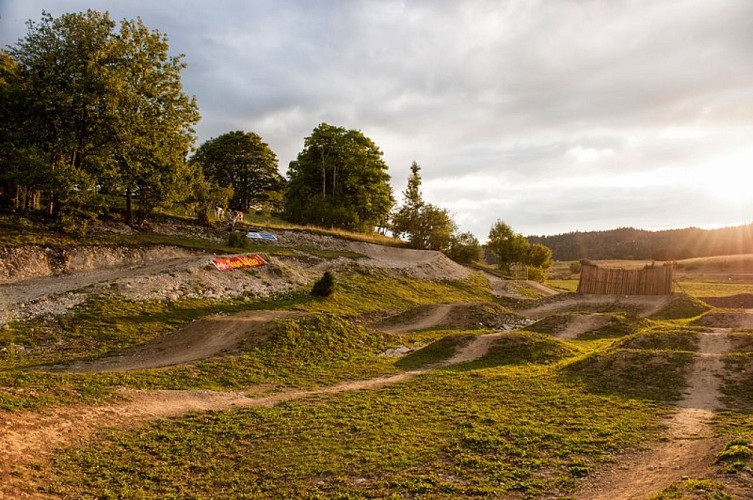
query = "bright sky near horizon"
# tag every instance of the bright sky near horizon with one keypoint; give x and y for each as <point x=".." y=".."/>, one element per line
<point x="554" y="116"/>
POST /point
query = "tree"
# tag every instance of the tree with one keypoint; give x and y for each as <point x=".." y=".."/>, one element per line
<point x="339" y="180"/>
<point x="99" y="109"/>
<point x="539" y="255"/>
<point x="63" y="79"/>
<point x="507" y="246"/>
<point x="241" y="160"/>
<point x="423" y="224"/>
<point x="153" y="124"/>
<point x="464" y="248"/>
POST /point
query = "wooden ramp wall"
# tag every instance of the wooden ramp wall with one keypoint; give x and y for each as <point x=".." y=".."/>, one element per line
<point x="651" y="281"/>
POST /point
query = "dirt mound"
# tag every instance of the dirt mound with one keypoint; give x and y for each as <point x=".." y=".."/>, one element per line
<point x="198" y="340"/>
<point x="740" y="301"/>
<point x="738" y="320"/>
<point x="451" y="316"/>
<point x="526" y="347"/>
<point x="23" y="263"/>
<point x="643" y="305"/>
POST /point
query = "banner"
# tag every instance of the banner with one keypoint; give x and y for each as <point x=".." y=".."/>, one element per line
<point x="260" y="235"/>
<point x="238" y="262"/>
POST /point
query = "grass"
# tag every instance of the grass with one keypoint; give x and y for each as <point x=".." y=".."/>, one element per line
<point x="106" y="325"/>
<point x="651" y="375"/>
<point x="699" y="489"/>
<point x="490" y="432"/>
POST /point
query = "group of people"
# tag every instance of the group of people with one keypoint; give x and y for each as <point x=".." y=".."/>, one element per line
<point x="230" y="215"/>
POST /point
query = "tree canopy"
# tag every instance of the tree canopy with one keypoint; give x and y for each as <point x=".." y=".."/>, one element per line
<point x="95" y="108"/>
<point x="423" y="224"/>
<point x="511" y="248"/>
<point x="339" y="179"/>
<point x="243" y="161"/>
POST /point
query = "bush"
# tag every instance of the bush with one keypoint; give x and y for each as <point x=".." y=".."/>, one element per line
<point x="575" y="267"/>
<point x="237" y="240"/>
<point x="325" y="286"/>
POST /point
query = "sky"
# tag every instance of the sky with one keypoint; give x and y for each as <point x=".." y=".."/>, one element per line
<point x="552" y="116"/>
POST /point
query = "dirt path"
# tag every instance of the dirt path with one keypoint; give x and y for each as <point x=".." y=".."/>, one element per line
<point x="31" y="438"/>
<point x="198" y="340"/>
<point x="646" y="304"/>
<point x="415" y="319"/>
<point x="690" y="449"/>
<point x="578" y="324"/>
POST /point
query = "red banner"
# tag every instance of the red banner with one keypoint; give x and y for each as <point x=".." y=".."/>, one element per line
<point x="238" y="262"/>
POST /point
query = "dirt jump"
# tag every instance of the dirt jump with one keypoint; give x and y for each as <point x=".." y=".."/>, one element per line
<point x="198" y="340"/>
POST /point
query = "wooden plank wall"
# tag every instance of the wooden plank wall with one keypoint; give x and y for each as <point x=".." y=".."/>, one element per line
<point x="652" y="281"/>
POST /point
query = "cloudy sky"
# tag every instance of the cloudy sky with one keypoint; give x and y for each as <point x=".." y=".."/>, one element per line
<point x="553" y="116"/>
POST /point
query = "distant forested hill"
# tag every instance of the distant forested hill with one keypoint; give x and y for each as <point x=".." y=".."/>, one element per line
<point x="629" y="243"/>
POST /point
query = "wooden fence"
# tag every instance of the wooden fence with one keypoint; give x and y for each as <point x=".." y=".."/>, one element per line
<point x="651" y="281"/>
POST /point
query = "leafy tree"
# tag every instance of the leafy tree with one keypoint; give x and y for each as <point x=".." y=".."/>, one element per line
<point x="539" y="255"/>
<point x="507" y="246"/>
<point x="241" y="160"/>
<point x="99" y="109"/>
<point x="339" y="180"/>
<point x="423" y="224"/>
<point x="153" y="123"/>
<point x="62" y="103"/>
<point x="202" y="195"/>
<point x="464" y="248"/>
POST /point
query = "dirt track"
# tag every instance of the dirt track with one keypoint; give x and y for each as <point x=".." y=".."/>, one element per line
<point x="690" y="449"/>
<point x="30" y="437"/>
<point x="199" y="340"/>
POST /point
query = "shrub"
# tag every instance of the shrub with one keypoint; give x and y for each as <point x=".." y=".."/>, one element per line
<point x="237" y="240"/>
<point x="325" y="286"/>
<point x="575" y="267"/>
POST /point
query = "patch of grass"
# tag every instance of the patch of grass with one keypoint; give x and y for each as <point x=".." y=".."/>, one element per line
<point x="703" y="289"/>
<point x="741" y="342"/>
<point x="620" y="325"/>
<point x="665" y="339"/>
<point x="499" y="432"/>
<point x="737" y="382"/>
<point x="737" y="449"/>
<point x="697" y="489"/>
<point x="567" y="285"/>
<point x="522" y="348"/>
<point x="653" y="375"/>
<point x="550" y="324"/>
<point x="308" y="352"/>
<point x="682" y="307"/>
<point x="367" y="291"/>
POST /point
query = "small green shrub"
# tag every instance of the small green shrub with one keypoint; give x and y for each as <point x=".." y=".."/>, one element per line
<point x="325" y="286"/>
<point x="237" y="240"/>
<point x="575" y="267"/>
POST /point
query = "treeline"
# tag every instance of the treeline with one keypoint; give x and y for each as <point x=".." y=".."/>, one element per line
<point x="630" y="243"/>
<point x="94" y="123"/>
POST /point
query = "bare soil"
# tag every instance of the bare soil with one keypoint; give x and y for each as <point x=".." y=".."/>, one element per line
<point x="578" y="324"/>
